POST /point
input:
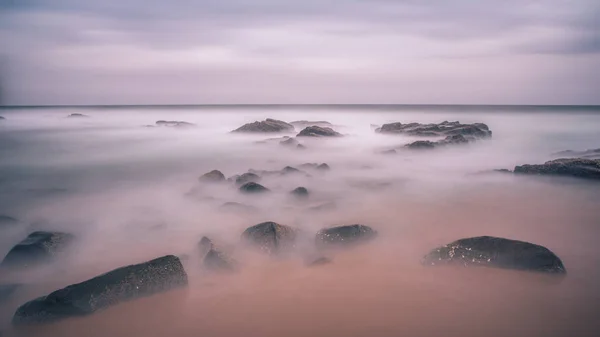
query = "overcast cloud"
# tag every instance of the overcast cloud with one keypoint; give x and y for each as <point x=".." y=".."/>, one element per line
<point x="310" y="51"/>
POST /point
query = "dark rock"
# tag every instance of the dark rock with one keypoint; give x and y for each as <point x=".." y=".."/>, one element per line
<point x="38" y="247"/>
<point x="268" y="125"/>
<point x="8" y="290"/>
<point x="176" y="124"/>
<point x="573" y="167"/>
<point x="457" y="139"/>
<point x="271" y="237"/>
<point x="214" y="176"/>
<point x="237" y="207"/>
<point x="289" y="170"/>
<point x="344" y="235"/>
<point x="421" y="145"/>
<point x="2" y="118"/>
<point x="289" y="142"/>
<point x="233" y="178"/>
<point x="217" y="260"/>
<point x="77" y="115"/>
<point x="317" y="131"/>
<point x="7" y="221"/>
<point x="252" y="187"/>
<point x="323" y="167"/>
<point x="319" y="261"/>
<point x="205" y="245"/>
<point x="478" y="130"/>
<point x="587" y="154"/>
<point x="304" y="124"/>
<point x="246" y="178"/>
<point x="496" y="252"/>
<point x="122" y="284"/>
<point x="300" y="192"/>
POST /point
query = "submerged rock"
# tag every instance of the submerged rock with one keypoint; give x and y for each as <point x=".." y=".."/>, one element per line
<point x="252" y="187"/>
<point x="237" y="207"/>
<point x="478" y="130"/>
<point x="316" y="166"/>
<point x="300" y="147"/>
<point x="421" y="145"/>
<point x="217" y="260"/>
<point x="205" y="245"/>
<point x="300" y="192"/>
<point x="289" y="142"/>
<point x="271" y="237"/>
<point x="176" y="124"/>
<point x="213" y="176"/>
<point x="77" y="115"/>
<point x="268" y="125"/>
<point x="587" y="154"/>
<point x="344" y="235"/>
<point x="496" y="252"/>
<point x="8" y="290"/>
<point x="2" y="118"/>
<point x="122" y="284"/>
<point x="319" y="261"/>
<point x="317" y="131"/>
<point x="327" y="206"/>
<point x="39" y="247"/>
<point x="572" y="167"/>
<point x="247" y="177"/>
<point x="304" y="124"/>
<point x="7" y="221"/>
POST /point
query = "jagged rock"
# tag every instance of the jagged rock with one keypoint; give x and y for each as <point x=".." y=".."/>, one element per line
<point x="213" y="176"/>
<point x="573" y="167"/>
<point x="122" y="284"/>
<point x="252" y="187"/>
<point x="344" y="235"/>
<point x="177" y="124"/>
<point x="77" y="115"/>
<point x="8" y="290"/>
<point x="300" y="192"/>
<point x="496" y="252"/>
<point x="587" y="154"/>
<point x="304" y="124"/>
<point x="478" y="130"/>
<point x="247" y="177"/>
<point x="289" y="142"/>
<point x="39" y="247"/>
<point x="271" y="237"/>
<point x="319" y="261"/>
<point x="237" y="207"/>
<point x="317" y="131"/>
<point x="268" y="125"/>
<point x="7" y="221"/>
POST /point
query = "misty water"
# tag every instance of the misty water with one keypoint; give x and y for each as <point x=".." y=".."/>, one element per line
<point x="131" y="193"/>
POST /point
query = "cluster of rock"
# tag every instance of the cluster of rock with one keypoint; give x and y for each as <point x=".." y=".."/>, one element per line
<point x="310" y="129"/>
<point x="573" y="167"/>
<point x="443" y="129"/>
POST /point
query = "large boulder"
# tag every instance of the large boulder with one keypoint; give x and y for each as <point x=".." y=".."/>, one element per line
<point x="175" y="124"/>
<point x="214" y="176"/>
<point x="317" y="131"/>
<point x="573" y="167"/>
<point x="496" y="252"/>
<point x="444" y="129"/>
<point x="122" y="284"/>
<point x="38" y="247"/>
<point x="253" y="188"/>
<point x="344" y="235"/>
<point x="267" y="126"/>
<point x="271" y="237"/>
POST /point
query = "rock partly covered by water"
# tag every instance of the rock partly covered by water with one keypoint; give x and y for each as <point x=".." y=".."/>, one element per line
<point x="289" y="142"/>
<point x="2" y="118"/>
<point x="587" y="154"/>
<point x="300" y="192"/>
<point x="316" y="166"/>
<point x="572" y="167"/>
<point x="7" y="221"/>
<point x="496" y="252"/>
<point x="214" y="176"/>
<point x="317" y="131"/>
<point x="237" y="207"/>
<point x="8" y="290"/>
<point x="122" y="284"/>
<point x="266" y="126"/>
<point x="175" y="124"/>
<point x="252" y="187"/>
<point x="214" y="258"/>
<point x="271" y="237"/>
<point x="456" y="139"/>
<point x="77" y="115"/>
<point x="443" y="129"/>
<point x="304" y="124"/>
<point x="247" y="177"/>
<point x="38" y="247"/>
<point x="344" y="235"/>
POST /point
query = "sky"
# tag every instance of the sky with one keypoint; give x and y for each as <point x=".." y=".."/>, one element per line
<point x="58" y="52"/>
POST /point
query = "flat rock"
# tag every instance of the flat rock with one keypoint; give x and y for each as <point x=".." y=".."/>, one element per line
<point x="267" y="126"/>
<point x="38" y="247"/>
<point x="570" y="167"/>
<point x="587" y="154"/>
<point x="271" y="237"/>
<point x="496" y="252"/>
<point x="304" y="124"/>
<point x="214" y="176"/>
<point x="175" y="124"/>
<point x="252" y="187"/>
<point x="344" y="235"/>
<point x="122" y="284"/>
<point x="317" y="131"/>
<point x="478" y="130"/>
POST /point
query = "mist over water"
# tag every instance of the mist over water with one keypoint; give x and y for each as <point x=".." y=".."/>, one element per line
<point x="131" y="193"/>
